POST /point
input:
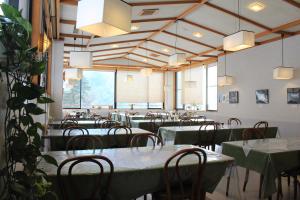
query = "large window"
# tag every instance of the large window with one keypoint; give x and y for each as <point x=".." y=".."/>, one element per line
<point x="212" y="87"/>
<point x="179" y="104"/>
<point x="95" y="89"/>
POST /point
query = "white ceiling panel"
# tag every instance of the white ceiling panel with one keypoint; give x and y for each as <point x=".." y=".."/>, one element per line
<point x="267" y="37"/>
<point x="141" y="59"/>
<point x="120" y="38"/>
<point x="110" y="52"/>
<point x="77" y="41"/>
<point x="145" y="26"/>
<point x="106" y="57"/>
<point x="95" y="48"/>
<point x="148" y="54"/>
<point x="68" y="11"/>
<point x="122" y="61"/>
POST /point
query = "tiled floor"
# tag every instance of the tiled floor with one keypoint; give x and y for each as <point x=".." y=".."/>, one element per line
<point x="251" y="192"/>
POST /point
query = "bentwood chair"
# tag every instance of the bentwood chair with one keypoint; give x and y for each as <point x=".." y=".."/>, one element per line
<point x="83" y="142"/>
<point x="68" y="123"/>
<point x="235" y="121"/>
<point x="73" y="131"/>
<point x="207" y="134"/>
<point x="100" y="186"/>
<point x="110" y="124"/>
<point x="186" y="122"/>
<point x="120" y="140"/>
<point x="192" y="188"/>
<point x="127" y="121"/>
<point x="137" y="140"/>
<point x="262" y="124"/>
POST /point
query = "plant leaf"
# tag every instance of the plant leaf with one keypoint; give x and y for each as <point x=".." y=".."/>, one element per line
<point x="44" y="100"/>
<point x="34" y="109"/>
<point x="15" y="103"/>
<point x="50" y="160"/>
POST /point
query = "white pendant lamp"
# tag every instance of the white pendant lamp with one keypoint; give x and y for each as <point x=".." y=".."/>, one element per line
<point x="189" y="83"/>
<point x="225" y="80"/>
<point x="146" y="71"/>
<point x="177" y="59"/>
<point x="80" y="59"/>
<point x="281" y="72"/>
<point x="73" y="74"/>
<point x="104" y="18"/>
<point x="240" y="40"/>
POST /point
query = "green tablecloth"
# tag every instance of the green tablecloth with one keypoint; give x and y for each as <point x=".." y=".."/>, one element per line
<point x="190" y="134"/>
<point x="58" y="142"/>
<point x="140" y="171"/>
<point x="268" y="157"/>
<point x="145" y="124"/>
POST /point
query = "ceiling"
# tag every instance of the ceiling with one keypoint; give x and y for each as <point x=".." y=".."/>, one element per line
<point x="175" y="22"/>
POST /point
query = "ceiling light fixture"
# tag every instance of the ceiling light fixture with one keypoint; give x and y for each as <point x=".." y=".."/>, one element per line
<point x="225" y="80"/>
<point x="177" y="59"/>
<point x="134" y="28"/>
<point x="114" y="46"/>
<point x="197" y="34"/>
<point x="80" y="59"/>
<point x="73" y="74"/>
<point x="240" y="40"/>
<point x="281" y="72"/>
<point x="166" y="50"/>
<point x="104" y="18"/>
<point x="256" y="6"/>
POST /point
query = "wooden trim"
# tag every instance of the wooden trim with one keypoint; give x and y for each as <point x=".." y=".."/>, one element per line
<point x="293" y="3"/>
<point x="112" y="49"/>
<point x="117" y="42"/>
<point x="112" y="58"/>
<point x="139" y="32"/>
<point x="70" y="2"/>
<point x="153" y="20"/>
<point x="118" y="65"/>
<point x="170" y="46"/>
<point x="148" y="57"/>
<point x="67" y="21"/>
<point x="204" y="27"/>
<point x="76" y="45"/>
<point x="188" y="39"/>
<point x="63" y="35"/>
<point x="74" y="3"/>
<point x="157" y="52"/>
<point x="57" y="17"/>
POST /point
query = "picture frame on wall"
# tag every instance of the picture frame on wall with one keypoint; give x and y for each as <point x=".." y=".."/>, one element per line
<point x="234" y="97"/>
<point x="262" y="96"/>
<point x="293" y="95"/>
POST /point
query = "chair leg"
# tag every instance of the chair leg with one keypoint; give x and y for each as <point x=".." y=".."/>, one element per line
<point x="145" y="197"/>
<point x="246" y="180"/>
<point x="289" y="180"/>
<point x="227" y="186"/>
<point x="260" y="185"/>
<point x="279" y="188"/>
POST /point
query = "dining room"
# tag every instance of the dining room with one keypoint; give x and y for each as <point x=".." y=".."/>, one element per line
<point x="149" y="99"/>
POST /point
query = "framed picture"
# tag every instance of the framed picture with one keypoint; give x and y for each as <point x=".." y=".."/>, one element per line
<point x="293" y="95"/>
<point x="234" y="97"/>
<point x="262" y="96"/>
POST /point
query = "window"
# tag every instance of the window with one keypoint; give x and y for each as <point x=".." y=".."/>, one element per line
<point x="212" y="87"/>
<point x="95" y="89"/>
<point x="179" y="104"/>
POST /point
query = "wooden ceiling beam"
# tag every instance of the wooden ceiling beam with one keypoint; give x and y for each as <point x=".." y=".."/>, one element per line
<point x="147" y="57"/>
<point x="111" y="54"/>
<point x="116" y="42"/>
<point x="68" y="21"/>
<point x="170" y="46"/>
<point x="112" y="49"/>
<point x="64" y="35"/>
<point x="140" y="32"/>
<point x="118" y="65"/>
<point x="75" y="45"/>
<point x="153" y="20"/>
<point x="190" y="40"/>
<point x="203" y="27"/>
<point x="112" y="58"/>
<point x="293" y="3"/>
<point x="157" y="52"/>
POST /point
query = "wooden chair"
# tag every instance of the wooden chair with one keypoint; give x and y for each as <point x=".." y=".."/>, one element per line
<point x="262" y="124"/>
<point x="127" y="121"/>
<point x="207" y="134"/>
<point x="109" y="124"/>
<point x="149" y="115"/>
<point x="68" y="123"/>
<point x="127" y="135"/>
<point x="186" y="122"/>
<point x="83" y="142"/>
<point x="136" y="139"/>
<point x="183" y="190"/>
<point x="234" y="120"/>
<point x="101" y="185"/>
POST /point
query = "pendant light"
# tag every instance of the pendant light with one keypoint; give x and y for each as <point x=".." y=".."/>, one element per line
<point x="240" y="40"/>
<point x="129" y="77"/>
<point x="104" y="18"/>
<point x="80" y="59"/>
<point x="225" y="80"/>
<point x="281" y="72"/>
<point x="190" y="83"/>
<point x="73" y="74"/>
<point x="146" y="71"/>
<point x="177" y="59"/>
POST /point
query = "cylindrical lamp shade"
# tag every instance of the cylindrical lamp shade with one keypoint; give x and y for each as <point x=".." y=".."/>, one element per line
<point x="238" y="41"/>
<point x="80" y="59"/>
<point x="283" y="73"/>
<point x="104" y="18"/>
<point x="73" y="74"/>
<point x="225" y="80"/>
<point x="146" y="71"/>
<point x="177" y="59"/>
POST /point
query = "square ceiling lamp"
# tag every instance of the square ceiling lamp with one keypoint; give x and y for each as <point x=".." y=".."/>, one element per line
<point x="73" y="74"/>
<point x="238" y="41"/>
<point x="283" y="73"/>
<point x="104" y="18"/>
<point x="146" y="71"/>
<point x="80" y="59"/>
<point x="225" y="80"/>
<point x="177" y="59"/>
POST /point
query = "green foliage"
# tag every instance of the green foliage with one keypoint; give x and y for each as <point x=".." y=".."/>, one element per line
<point x="22" y="132"/>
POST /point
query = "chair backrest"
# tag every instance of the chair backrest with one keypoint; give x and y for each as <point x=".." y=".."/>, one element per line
<point x="109" y="124"/>
<point x="186" y="122"/>
<point x="234" y="120"/>
<point x="197" y="189"/>
<point x="252" y="133"/>
<point x="128" y="121"/>
<point x="82" y="142"/>
<point x="263" y="125"/>
<point x="137" y="139"/>
<point x="207" y="134"/>
<point x="99" y="189"/>
<point x="68" y="123"/>
<point x="68" y="132"/>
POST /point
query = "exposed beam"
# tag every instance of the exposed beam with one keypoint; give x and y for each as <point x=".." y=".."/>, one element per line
<point x="170" y="46"/>
<point x="158" y="3"/>
<point x="112" y="49"/>
<point x="139" y="32"/>
<point x="63" y="35"/>
<point x="188" y="39"/>
<point x="111" y="54"/>
<point x="67" y="21"/>
<point x="119" y="65"/>
<point x="157" y="52"/>
<point x="203" y="27"/>
<point x="75" y="45"/>
<point x="147" y="57"/>
<point x="116" y="42"/>
<point x="293" y="3"/>
<point x="112" y="58"/>
<point x="70" y="2"/>
<point x="153" y="20"/>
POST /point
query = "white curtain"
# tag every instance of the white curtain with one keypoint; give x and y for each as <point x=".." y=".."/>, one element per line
<point x="194" y="93"/>
<point x="133" y="87"/>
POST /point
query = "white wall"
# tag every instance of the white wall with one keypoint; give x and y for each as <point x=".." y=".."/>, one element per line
<point x="252" y="70"/>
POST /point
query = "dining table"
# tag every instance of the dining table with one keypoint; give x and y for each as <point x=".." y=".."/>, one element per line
<point x="190" y="134"/>
<point x="58" y="141"/>
<point x="137" y="171"/>
<point x="268" y="157"/>
<point x="85" y="123"/>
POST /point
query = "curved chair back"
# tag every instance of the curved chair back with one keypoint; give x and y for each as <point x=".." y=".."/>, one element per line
<point x="137" y="139"/>
<point x="231" y="121"/>
<point x="98" y="122"/>
<point x="262" y="124"/>
<point x="196" y="188"/>
<point x="120" y="140"/>
<point x="128" y="121"/>
<point x="149" y="115"/>
<point x="101" y="185"/>
<point x="186" y="122"/>
<point x="68" y="123"/>
<point x="82" y="142"/>
<point x="207" y="134"/>
<point x="109" y="124"/>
